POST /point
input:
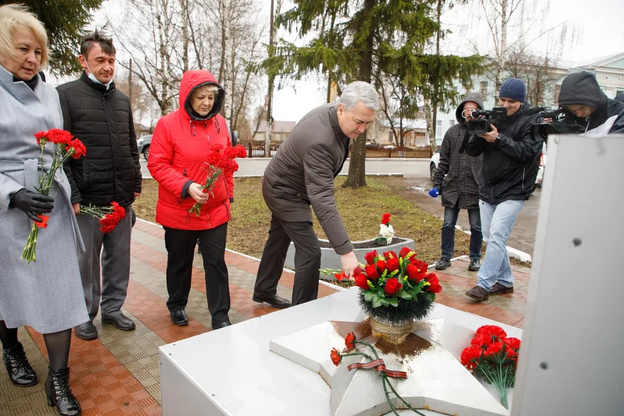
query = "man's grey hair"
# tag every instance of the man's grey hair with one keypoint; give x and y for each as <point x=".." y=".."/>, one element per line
<point x="359" y="91"/>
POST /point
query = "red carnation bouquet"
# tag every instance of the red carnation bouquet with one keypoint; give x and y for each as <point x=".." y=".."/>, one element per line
<point x="219" y="160"/>
<point x="65" y="146"/>
<point x="493" y="357"/>
<point x="109" y="216"/>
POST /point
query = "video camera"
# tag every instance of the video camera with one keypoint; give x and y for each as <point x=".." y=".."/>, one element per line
<point x="561" y="124"/>
<point x="481" y="119"/>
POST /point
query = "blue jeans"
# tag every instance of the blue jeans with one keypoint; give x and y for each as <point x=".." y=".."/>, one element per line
<point x="497" y="222"/>
<point x="448" y="232"/>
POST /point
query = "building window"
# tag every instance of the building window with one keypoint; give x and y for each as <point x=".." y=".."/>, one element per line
<point x="438" y="129"/>
<point x="483" y="90"/>
<point x="557" y="92"/>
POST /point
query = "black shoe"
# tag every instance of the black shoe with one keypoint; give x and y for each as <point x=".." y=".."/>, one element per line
<point x="18" y="367"/>
<point x="443" y="263"/>
<point x="59" y="393"/>
<point x="119" y="321"/>
<point x="275" y="301"/>
<point x="86" y="331"/>
<point x="475" y="265"/>
<point x="221" y="324"/>
<point x="179" y="317"/>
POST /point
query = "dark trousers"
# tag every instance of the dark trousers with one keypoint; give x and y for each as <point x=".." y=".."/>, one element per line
<point x="448" y="232"/>
<point x="180" y="246"/>
<point x="307" y="260"/>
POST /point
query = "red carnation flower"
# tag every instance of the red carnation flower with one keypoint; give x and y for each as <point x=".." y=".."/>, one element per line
<point x="349" y="340"/>
<point x="496" y="332"/>
<point x="470" y="357"/>
<point x="494" y="348"/>
<point x="44" y="221"/>
<point x="335" y="357"/>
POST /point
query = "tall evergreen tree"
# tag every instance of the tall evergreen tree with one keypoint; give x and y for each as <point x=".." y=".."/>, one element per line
<point x="64" y="21"/>
<point x="369" y="40"/>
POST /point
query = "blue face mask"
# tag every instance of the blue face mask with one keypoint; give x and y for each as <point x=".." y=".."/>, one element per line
<point x="94" y="79"/>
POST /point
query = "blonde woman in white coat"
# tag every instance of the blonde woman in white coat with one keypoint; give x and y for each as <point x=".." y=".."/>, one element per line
<point x="46" y="294"/>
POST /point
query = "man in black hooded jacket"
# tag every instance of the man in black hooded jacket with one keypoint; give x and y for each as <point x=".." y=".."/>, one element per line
<point x="582" y="97"/>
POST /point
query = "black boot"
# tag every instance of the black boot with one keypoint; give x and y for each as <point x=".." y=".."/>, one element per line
<point x="18" y="367"/>
<point x="59" y="393"/>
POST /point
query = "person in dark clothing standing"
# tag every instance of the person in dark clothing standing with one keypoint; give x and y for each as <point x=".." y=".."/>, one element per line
<point x="301" y="175"/>
<point x="510" y="163"/>
<point x="456" y="181"/>
<point x="100" y="115"/>
<point x="582" y="97"/>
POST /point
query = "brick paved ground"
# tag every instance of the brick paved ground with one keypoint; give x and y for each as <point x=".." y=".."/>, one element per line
<point x="118" y="374"/>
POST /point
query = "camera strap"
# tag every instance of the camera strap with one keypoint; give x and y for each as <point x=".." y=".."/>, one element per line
<point x="464" y="142"/>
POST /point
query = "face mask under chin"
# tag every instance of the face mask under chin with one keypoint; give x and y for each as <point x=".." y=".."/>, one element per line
<point x="94" y="79"/>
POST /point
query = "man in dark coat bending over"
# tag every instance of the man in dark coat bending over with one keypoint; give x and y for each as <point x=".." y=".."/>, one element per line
<point x="301" y="175"/>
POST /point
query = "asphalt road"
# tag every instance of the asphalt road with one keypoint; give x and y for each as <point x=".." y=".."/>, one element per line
<point x="415" y="173"/>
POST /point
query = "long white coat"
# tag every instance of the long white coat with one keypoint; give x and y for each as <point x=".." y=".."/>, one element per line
<point x="47" y="294"/>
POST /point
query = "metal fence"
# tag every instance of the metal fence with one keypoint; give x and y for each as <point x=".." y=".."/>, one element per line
<point x="257" y="150"/>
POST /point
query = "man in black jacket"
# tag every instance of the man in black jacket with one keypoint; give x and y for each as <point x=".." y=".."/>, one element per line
<point x="301" y="175"/>
<point x="506" y="180"/>
<point x="100" y="116"/>
<point x="456" y="180"/>
<point x="581" y="95"/>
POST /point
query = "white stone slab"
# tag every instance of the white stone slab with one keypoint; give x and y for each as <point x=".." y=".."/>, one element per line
<point x="436" y="379"/>
<point x="233" y="372"/>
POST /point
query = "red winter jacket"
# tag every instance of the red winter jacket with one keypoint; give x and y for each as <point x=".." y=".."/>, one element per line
<point x="180" y="146"/>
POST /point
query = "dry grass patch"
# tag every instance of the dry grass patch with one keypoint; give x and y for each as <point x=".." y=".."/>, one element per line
<point x="361" y="211"/>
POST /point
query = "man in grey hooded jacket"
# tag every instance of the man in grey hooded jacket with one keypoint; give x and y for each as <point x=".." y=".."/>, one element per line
<point x="456" y="180"/>
<point x="301" y="175"/>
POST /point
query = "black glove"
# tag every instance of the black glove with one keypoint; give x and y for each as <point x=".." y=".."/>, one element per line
<point x="32" y="203"/>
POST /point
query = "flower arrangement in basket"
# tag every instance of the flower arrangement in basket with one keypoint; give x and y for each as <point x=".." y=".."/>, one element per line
<point x="493" y="357"/>
<point x="219" y="160"/>
<point x="65" y="146"/>
<point x="396" y="287"/>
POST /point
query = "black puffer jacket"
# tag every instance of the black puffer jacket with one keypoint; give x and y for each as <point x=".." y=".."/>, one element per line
<point x="582" y="88"/>
<point x="102" y="120"/>
<point x="510" y="164"/>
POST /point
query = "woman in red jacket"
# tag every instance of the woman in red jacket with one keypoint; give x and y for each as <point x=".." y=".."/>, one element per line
<point x="180" y="147"/>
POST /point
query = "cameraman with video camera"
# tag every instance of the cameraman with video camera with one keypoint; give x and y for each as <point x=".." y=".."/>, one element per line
<point x="506" y="180"/>
<point x="582" y="97"/>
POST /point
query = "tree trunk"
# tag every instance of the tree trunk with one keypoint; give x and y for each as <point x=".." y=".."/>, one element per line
<point x="357" y="165"/>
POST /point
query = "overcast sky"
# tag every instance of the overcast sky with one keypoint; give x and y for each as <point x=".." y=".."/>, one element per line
<point x="596" y="25"/>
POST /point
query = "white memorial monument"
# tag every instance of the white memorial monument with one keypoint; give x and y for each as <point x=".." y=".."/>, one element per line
<point x="571" y="360"/>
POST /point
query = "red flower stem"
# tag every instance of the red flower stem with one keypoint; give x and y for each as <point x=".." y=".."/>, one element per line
<point x="386" y="380"/>
<point x="373" y="349"/>
<point x="352" y="354"/>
